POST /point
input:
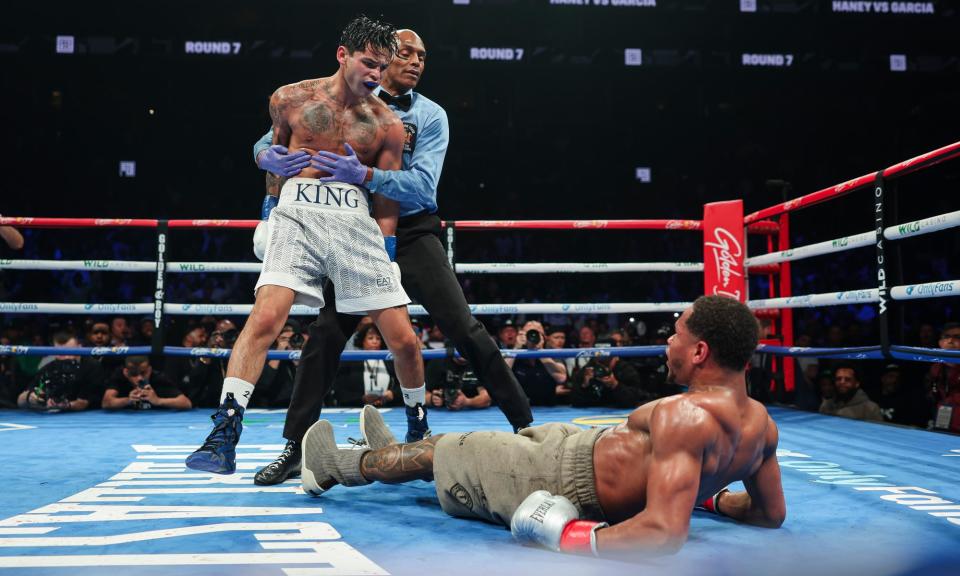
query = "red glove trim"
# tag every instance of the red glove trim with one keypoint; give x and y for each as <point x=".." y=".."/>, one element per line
<point x="576" y="537"/>
<point x="710" y="504"/>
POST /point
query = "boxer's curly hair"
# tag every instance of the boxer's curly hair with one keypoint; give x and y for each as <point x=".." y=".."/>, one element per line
<point x="728" y="327"/>
<point x="363" y="31"/>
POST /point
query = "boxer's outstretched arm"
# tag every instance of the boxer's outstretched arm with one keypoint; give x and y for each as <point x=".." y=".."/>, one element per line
<point x="763" y="503"/>
<point x="387" y="211"/>
<point x="680" y="432"/>
<point x="400" y="463"/>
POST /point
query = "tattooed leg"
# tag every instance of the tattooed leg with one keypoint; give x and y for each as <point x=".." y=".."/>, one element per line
<point x="400" y="463"/>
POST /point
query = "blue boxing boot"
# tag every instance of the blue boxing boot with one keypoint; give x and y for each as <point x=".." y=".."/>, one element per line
<point x="417" y="428"/>
<point x="415" y="398"/>
<point x="219" y="452"/>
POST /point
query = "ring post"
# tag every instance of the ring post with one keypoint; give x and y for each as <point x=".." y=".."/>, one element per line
<point x="156" y="349"/>
<point x="786" y="315"/>
<point x="880" y="224"/>
<point x="723" y="250"/>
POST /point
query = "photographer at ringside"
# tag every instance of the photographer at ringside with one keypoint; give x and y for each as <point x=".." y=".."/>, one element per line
<point x="64" y="383"/>
<point x="608" y="381"/>
<point x="542" y="379"/>
<point x="452" y="384"/>
<point x="276" y="381"/>
<point x="206" y="377"/>
<point x="138" y="387"/>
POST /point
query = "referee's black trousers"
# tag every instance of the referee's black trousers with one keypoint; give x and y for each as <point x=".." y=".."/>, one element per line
<point x="428" y="279"/>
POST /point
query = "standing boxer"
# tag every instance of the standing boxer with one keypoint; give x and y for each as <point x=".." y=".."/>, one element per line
<point x="427" y="275"/>
<point x="322" y="229"/>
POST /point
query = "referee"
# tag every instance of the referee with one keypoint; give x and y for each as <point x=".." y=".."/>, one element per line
<point x="426" y="274"/>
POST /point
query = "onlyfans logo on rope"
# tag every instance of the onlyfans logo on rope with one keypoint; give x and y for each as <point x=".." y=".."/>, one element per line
<point x="11" y="350"/>
<point x="202" y="223"/>
<point x="726" y="253"/>
<point x="682" y="224"/>
<point x="855" y="295"/>
<point x="211" y="352"/>
<point x="109" y="350"/>
<point x="930" y="289"/>
<point x="18" y="307"/>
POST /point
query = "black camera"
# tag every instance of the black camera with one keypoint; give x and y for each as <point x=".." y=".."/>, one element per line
<point x="296" y="341"/>
<point x="456" y="380"/>
<point x="595" y="386"/>
<point x="142" y="404"/>
<point x="533" y="337"/>
<point x="55" y="380"/>
<point x="450" y="392"/>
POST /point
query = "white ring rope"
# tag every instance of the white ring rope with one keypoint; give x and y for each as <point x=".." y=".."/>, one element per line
<point x="194" y="267"/>
<point x="129" y="266"/>
<point x="925" y="226"/>
<point x="92" y="265"/>
<point x="565" y="267"/>
<point x="814" y="300"/>
<point x="896" y="232"/>
<point x="493" y="268"/>
<point x="810" y="250"/>
<point x="298" y="310"/>
<point x="941" y="289"/>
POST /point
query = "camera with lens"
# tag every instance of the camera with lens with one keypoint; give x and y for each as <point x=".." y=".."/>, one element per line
<point x="296" y="341"/>
<point x="533" y="337"/>
<point x="455" y="382"/>
<point x="600" y="370"/>
<point x="133" y="372"/>
<point x="55" y="380"/>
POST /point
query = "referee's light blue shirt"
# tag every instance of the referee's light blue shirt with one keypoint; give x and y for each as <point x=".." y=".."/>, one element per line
<point x="428" y="134"/>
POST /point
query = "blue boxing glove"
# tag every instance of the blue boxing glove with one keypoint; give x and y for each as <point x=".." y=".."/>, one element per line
<point x="347" y="169"/>
<point x="262" y="233"/>
<point x="278" y="160"/>
<point x="390" y="245"/>
<point x="553" y="522"/>
<point x="269" y="203"/>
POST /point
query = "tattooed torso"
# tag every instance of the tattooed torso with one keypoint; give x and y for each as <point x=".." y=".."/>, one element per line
<point x="316" y="121"/>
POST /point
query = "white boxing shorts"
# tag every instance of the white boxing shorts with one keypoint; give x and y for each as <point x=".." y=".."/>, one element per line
<point x="324" y="230"/>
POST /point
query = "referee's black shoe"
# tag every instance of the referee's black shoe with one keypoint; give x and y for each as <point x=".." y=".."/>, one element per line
<point x="287" y="465"/>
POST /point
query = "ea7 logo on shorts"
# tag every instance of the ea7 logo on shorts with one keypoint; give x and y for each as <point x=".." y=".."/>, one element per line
<point x="384" y="282"/>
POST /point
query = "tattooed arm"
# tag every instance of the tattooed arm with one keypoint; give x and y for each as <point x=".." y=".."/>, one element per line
<point x="281" y="135"/>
